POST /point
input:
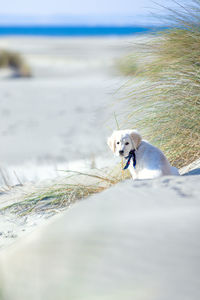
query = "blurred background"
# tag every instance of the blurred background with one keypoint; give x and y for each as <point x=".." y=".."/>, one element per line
<point x="59" y="78"/>
<point x="63" y="67"/>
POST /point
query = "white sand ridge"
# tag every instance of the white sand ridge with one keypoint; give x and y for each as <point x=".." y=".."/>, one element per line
<point x="137" y="240"/>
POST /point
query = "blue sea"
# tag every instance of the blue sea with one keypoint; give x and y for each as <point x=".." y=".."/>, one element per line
<point x="74" y="30"/>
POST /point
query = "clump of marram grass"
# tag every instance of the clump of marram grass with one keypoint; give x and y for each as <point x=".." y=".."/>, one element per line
<point x="52" y="198"/>
<point x="167" y="103"/>
<point x="14" y="61"/>
<point x="57" y="197"/>
<point x="128" y="65"/>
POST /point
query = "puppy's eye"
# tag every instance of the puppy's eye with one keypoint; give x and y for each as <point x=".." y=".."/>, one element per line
<point x="126" y="143"/>
<point x="117" y="142"/>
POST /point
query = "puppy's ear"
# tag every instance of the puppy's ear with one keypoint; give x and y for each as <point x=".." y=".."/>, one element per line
<point x="136" y="138"/>
<point x="111" y="143"/>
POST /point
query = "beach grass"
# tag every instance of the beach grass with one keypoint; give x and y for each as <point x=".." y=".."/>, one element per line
<point x="128" y="65"/>
<point x="14" y="61"/>
<point x="166" y="105"/>
<point x="59" y="196"/>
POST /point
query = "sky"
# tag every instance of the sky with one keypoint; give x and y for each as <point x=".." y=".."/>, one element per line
<point x="74" y="6"/>
<point x="99" y="10"/>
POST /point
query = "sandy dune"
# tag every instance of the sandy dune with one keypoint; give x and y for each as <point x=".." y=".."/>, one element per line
<point x="63" y="113"/>
<point x="58" y="119"/>
<point x="134" y="241"/>
<point x="138" y="240"/>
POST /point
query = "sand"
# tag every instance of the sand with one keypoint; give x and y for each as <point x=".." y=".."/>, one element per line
<point x="137" y="240"/>
<point x="58" y="119"/>
<point x="64" y="113"/>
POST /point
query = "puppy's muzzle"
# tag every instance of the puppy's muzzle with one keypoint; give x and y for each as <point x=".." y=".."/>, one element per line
<point x="121" y="152"/>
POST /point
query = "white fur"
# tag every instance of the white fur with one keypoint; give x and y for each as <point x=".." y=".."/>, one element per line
<point x="150" y="161"/>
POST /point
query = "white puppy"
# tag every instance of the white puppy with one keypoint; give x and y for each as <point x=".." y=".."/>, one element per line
<point x="144" y="160"/>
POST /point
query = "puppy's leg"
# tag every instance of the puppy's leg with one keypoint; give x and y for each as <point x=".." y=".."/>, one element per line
<point x="134" y="176"/>
<point x="133" y="173"/>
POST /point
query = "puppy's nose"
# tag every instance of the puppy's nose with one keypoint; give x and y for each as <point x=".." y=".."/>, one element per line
<point x="121" y="152"/>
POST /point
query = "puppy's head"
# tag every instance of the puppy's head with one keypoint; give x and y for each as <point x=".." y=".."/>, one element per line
<point x="121" y="142"/>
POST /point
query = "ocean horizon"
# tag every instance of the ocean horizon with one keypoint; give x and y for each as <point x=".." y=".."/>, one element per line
<point x="61" y="30"/>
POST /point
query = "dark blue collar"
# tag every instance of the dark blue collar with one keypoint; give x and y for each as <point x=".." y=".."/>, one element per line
<point x="131" y="155"/>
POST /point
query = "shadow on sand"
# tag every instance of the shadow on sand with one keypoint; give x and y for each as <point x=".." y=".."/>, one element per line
<point x="193" y="172"/>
